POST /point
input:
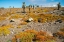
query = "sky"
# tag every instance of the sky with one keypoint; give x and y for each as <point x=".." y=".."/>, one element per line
<point x="18" y="3"/>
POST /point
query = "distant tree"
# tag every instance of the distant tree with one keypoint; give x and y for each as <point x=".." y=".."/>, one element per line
<point x="2" y="8"/>
<point x="58" y="5"/>
<point x="31" y="6"/>
<point x="9" y="6"/>
<point x="13" y="6"/>
<point x="23" y="6"/>
<point x="37" y="6"/>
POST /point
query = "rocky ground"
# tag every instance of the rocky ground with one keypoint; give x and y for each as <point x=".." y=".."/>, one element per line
<point x="50" y="27"/>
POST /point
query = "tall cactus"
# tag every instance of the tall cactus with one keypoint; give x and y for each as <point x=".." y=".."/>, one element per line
<point x="23" y="6"/>
<point x="29" y="8"/>
<point x="58" y="5"/>
<point x="33" y="6"/>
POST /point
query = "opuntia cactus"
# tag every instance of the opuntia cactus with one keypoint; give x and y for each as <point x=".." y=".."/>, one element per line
<point x="23" y="6"/>
<point x="58" y="5"/>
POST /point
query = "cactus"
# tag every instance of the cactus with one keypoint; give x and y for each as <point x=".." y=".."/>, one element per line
<point x="58" y="5"/>
<point x="23" y="6"/>
<point x="29" y="8"/>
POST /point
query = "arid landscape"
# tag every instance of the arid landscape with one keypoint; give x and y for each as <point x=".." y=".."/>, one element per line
<point x="32" y="24"/>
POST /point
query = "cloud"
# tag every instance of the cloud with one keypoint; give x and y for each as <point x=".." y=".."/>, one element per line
<point x="37" y="2"/>
<point x="52" y="4"/>
<point x="44" y="3"/>
<point x="33" y="1"/>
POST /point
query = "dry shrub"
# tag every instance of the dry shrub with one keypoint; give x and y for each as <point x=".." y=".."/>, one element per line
<point x="32" y="35"/>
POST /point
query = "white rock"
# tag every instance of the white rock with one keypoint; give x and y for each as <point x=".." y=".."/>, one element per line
<point x="30" y="19"/>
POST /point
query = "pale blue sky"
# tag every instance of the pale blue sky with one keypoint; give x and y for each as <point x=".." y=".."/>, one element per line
<point x="18" y="3"/>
